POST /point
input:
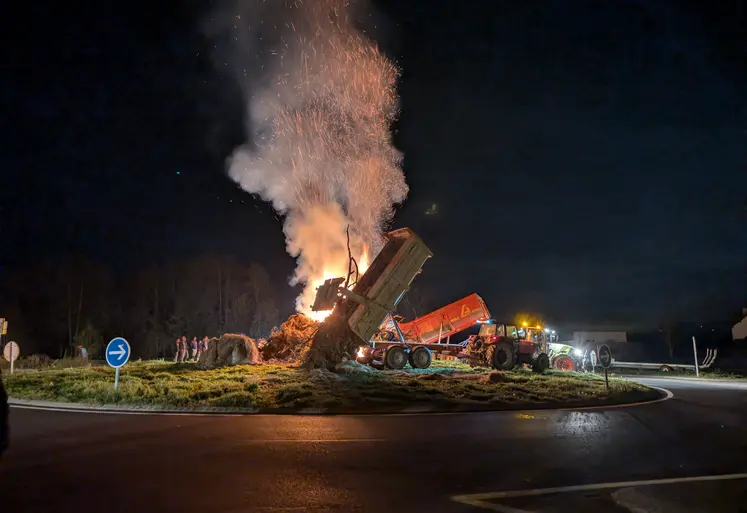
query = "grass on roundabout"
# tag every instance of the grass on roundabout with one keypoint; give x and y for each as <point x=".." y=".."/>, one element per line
<point x="267" y="387"/>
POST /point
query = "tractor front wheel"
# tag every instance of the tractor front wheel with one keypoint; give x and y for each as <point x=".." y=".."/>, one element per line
<point x="395" y="358"/>
<point x="563" y="363"/>
<point x="541" y="363"/>
<point x="503" y="357"/>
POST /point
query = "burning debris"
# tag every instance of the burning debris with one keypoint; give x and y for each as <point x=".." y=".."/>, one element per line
<point x="334" y="342"/>
<point x="229" y="349"/>
<point x="291" y="343"/>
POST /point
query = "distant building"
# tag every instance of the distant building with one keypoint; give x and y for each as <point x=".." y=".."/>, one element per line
<point x="739" y="331"/>
<point x="591" y="339"/>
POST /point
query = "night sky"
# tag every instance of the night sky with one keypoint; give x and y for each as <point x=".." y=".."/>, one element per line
<point x="586" y="159"/>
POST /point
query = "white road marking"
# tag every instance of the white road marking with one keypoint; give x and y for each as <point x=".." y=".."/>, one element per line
<point x="125" y="412"/>
<point x="704" y="382"/>
<point x="668" y="396"/>
<point x="478" y="500"/>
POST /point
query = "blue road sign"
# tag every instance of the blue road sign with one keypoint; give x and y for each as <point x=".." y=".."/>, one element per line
<point x="117" y="352"/>
<point x="605" y="356"/>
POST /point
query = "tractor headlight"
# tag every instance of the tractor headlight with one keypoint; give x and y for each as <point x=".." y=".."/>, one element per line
<point x="361" y="352"/>
<point x="578" y="352"/>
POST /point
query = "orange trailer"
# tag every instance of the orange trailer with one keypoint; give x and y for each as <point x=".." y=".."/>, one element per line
<point x="424" y="336"/>
<point x="447" y="320"/>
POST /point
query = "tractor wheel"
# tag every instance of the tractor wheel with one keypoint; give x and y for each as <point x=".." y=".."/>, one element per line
<point x="541" y="363"/>
<point x="564" y="363"/>
<point x="395" y="358"/>
<point x="420" y="358"/>
<point x="503" y="357"/>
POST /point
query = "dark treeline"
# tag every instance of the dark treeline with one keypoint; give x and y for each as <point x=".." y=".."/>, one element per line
<point x="55" y="306"/>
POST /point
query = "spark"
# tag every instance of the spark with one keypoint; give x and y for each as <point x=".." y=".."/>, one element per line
<point x="323" y="154"/>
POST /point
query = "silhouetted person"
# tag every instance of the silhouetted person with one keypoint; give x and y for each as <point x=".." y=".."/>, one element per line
<point x="184" y="351"/>
<point x="195" y="346"/>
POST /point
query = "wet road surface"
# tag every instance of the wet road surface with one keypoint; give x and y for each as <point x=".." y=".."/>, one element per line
<point x="79" y="462"/>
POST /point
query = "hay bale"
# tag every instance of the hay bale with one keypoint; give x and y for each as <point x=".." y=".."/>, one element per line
<point x="290" y="343"/>
<point x="229" y="349"/>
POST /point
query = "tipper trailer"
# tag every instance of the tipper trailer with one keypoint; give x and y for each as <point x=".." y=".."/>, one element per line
<point x="368" y="309"/>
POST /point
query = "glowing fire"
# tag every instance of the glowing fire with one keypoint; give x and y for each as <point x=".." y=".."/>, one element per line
<point x="307" y="298"/>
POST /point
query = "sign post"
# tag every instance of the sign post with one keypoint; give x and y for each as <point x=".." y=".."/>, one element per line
<point x="695" y="355"/>
<point x="10" y="353"/>
<point x="117" y="354"/>
<point x="605" y="358"/>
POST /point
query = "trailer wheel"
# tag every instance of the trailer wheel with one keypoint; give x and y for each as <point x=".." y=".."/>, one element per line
<point x="541" y="363"/>
<point x="666" y="368"/>
<point x="503" y="357"/>
<point x="420" y="358"/>
<point x="395" y="358"/>
<point x="564" y="363"/>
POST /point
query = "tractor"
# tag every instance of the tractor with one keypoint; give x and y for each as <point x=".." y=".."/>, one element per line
<point x="501" y="347"/>
<point x="562" y="356"/>
<point x="566" y="358"/>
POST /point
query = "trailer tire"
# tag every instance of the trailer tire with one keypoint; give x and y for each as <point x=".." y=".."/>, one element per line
<point x="541" y="363"/>
<point x="420" y="358"/>
<point x="503" y="357"/>
<point x="564" y="363"/>
<point x="395" y="358"/>
<point x="665" y="368"/>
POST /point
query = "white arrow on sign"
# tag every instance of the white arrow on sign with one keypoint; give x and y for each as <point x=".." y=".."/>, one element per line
<point x="120" y="354"/>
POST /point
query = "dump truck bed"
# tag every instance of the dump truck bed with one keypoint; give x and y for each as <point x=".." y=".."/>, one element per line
<point x="384" y="283"/>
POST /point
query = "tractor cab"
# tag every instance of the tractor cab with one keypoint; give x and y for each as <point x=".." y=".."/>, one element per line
<point x="492" y="330"/>
<point x="536" y="336"/>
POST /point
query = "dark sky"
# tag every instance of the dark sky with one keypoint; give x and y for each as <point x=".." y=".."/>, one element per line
<point x="587" y="158"/>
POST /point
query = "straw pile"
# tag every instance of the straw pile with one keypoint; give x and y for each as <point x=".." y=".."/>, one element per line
<point x="291" y="342"/>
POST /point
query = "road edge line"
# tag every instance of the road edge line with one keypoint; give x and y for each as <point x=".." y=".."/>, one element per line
<point x="27" y="404"/>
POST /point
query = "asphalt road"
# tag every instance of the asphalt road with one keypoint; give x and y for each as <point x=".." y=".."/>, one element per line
<point x="79" y="462"/>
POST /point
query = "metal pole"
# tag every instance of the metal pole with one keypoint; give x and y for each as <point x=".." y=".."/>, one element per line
<point x="440" y="331"/>
<point x="11" y="358"/>
<point x="695" y="355"/>
<point x="606" y="381"/>
<point x="116" y="378"/>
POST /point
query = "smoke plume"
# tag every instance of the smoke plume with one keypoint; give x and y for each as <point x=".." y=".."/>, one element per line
<point x="320" y="99"/>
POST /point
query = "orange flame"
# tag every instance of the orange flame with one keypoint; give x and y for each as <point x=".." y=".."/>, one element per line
<point x="334" y="272"/>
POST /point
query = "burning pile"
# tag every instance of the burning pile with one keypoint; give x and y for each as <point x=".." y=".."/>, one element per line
<point x="334" y="342"/>
<point x="291" y="343"/>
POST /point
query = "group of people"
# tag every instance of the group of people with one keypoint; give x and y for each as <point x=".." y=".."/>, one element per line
<point x="191" y="351"/>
